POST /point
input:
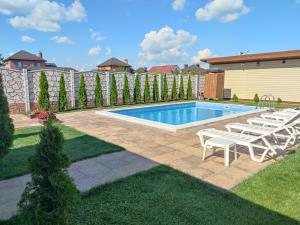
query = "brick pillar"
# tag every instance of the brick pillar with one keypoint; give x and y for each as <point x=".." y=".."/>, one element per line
<point x="26" y="90"/>
<point x="73" y="99"/>
<point x="159" y="86"/>
<point x="107" y="74"/>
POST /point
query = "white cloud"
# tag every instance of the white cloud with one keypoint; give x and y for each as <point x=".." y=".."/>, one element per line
<point x="42" y="15"/>
<point x="27" y="39"/>
<point x="94" y="51"/>
<point x="223" y="10"/>
<point x="108" y="51"/>
<point x="97" y="36"/>
<point x="61" y="40"/>
<point x="178" y="5"/>
<point x="166" y="45"/>
<point x="202" y="54"/>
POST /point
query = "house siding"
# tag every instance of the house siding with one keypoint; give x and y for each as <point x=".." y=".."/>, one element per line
<point x="268" y="77"/>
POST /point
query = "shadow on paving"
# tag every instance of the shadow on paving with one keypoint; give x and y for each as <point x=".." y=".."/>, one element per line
<point x="80" y="147"/>
<point x="165" y="196"/>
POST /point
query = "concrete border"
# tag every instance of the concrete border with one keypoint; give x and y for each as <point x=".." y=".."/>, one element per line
<point x="169" y="127"/>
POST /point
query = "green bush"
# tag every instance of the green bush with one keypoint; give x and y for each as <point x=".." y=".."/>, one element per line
<point x="113" y="91"/>
<point x="174" y="89"/>
<point x="126" y="91"/>
<point x="146" y="90"/>
<point x="256" y="99"/>
<point x="155" y="90"/>
<point x="6" y="124"/>
<point x="181" y="89"/>
<point x="43" y="98"/>
<point x="62" y="95"/>
<point x="189" y="92"/>
<point x="279" y="101"/>
<point x="165" y="88"/>
<point x="235" y="98"/>
<point x="82" y="96"/>
<point x="51" y="195"/>
<point x="137" y="89"/>
<point x="98" y="92"/>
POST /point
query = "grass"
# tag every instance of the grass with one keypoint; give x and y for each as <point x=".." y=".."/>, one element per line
<point x="77" y="145"/>
<point x="165" y="196"/>
<point x="252" y="103"/>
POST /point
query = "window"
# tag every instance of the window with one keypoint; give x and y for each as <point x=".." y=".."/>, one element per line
<point x="19" y="64"/>
<point x="38" y="64"/>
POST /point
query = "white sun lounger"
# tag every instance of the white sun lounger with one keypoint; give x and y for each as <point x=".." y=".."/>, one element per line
<point x="287" y="132"/>
<point x="250" y="141"/>
<point x="277" y="116"/>
<point x="272" y="122"/>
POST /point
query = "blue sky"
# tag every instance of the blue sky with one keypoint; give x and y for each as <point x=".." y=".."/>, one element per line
<point x="83" y="33"/>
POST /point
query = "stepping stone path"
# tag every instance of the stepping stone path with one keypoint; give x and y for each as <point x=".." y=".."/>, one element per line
<point x="87" y="174"/>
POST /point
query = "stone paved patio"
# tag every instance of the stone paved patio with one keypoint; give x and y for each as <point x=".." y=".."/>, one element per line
<point x="22" y="121"/>
<point x="180" y="150"/>
<point x="86" y="174"/>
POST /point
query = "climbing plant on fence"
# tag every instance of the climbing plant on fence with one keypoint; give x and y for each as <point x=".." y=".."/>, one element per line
<point x="165" y="88"/>
<point x="82" y="96"/>
<point x="174" y="89"/>
<point x="114" y="91"/>
<point x="155" y="90"/>
<point x="137" y="89"/>
<point x="126" y="91"/>
<point x="62" y="95"/>
<point x="146" y="90"/>
<point x="43" y="98"/>
<point x="189" y="92"/>
<point x="98" y="92"/>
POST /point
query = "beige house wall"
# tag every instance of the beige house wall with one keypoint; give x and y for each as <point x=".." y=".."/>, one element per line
<point x="279" y="78"/>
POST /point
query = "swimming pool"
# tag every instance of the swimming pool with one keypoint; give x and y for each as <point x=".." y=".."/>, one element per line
<point x="179" y="115"/>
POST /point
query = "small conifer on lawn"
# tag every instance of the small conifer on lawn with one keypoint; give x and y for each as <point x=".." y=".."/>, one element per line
<point x="113" y="91"/>
<point x="98" y="92"/>
<point x="174" y="89"/>
<point x="43" y="98"/>
<point x="189" y="92"/>
<point x="62" y="95"/>
<point x="155" y="90"/>
<point x="146" y="90"/>
<point x="165" y="88"/>
<point x="126" y="91"/>
<point x="181" y="89"/>
<point x="137" y="89"/>
<point x="82" y="95"/>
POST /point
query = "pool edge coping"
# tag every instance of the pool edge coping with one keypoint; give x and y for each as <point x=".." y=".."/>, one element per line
<point x="169" y="127"/>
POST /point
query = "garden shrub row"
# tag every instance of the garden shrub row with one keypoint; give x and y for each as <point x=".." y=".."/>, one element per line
<point x="138" y="96"/>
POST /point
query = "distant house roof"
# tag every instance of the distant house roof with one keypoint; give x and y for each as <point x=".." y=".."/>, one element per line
<point x="114" y="62"/>
<point x="24" y="55"/>
<point x="141" y="70"/>
<point x="196" y="68"/>
<point x="167" y="69"/>
<point x="269" y="56"/>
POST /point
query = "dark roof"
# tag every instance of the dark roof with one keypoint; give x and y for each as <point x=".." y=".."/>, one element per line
<point x="167" y="69"/>
<point x="24" y="55"/>
<point x="114" y="62"/>
<point x="269" y="56"/>
<point x="196" y="68"/>
<point x="50" y="65"/>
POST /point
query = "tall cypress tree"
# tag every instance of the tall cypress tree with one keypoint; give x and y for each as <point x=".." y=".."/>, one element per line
<point x="6" y="124"/>
<point x="43" y="98"/>
<point x="113" y="91"/>
<point x="51" y="196"/>
<point x="98" y="92"/>
<point x="137" y="89"/>
<point x="189" y="92"/>
<point x="181" y="89"/>
<point x="165" y="88"/>
<point x="155" y="89"/>
<point x="146" y="90"/>
<point x="126" y="91"/>
<point x="82" y="95"/>
<point x="174" y="89"/>
<point x="62" y="95"/>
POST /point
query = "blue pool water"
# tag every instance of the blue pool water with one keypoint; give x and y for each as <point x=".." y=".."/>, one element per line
<point x="177" y="114"/>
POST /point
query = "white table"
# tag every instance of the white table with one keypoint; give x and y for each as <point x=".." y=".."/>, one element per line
<point x="217" y="142"/>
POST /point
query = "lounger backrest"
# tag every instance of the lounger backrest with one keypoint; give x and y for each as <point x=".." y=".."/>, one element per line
<point x="292" y="119"/>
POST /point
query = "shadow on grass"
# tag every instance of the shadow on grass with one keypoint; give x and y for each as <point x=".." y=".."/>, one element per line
<point x="165" y="196"/>
<point x="83" y="146"/>
<point x="25" y="135"/>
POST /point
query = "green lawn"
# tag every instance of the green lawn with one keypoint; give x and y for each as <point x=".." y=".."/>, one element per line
<point x="252" y="103"/>
<point x="165" y="196"/>
<point x="77" y="146"/>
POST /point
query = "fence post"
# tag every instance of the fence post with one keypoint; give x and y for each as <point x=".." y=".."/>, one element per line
<point x="159" y="86"/>
<point x="26" y="90"/>
<point x="107" y="74"/>
<point x="196" y="86"/>
<point x="73" y="101"/>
